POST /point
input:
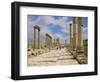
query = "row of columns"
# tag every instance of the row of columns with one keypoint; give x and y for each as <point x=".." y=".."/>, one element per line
<point x="76" y="35"/>
<point x="37" y="38"/>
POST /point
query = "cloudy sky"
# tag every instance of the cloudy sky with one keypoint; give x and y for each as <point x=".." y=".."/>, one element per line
<point x="56" y="26"/>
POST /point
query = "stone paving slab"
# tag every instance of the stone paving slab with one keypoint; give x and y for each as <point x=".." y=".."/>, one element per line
<point x="54" y="57"/>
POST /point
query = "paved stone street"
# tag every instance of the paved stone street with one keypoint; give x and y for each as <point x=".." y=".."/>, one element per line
<point x="54" y="57"/>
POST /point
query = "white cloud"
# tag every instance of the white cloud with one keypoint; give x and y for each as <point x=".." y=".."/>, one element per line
<point x="43" y="21"/>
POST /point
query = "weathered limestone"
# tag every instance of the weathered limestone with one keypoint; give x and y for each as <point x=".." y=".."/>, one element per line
<point x="36" y="37"/>
<point x="48" y="41"/>
<point x="57" y="41"/>
<point x="54" y="43"/>
<point x="76" y="40"/>
<point x="71" y="36"/>
<point x="77" y="33"/>
<point x="65" y="43"/>
<point x="52" y="58"/>
<point x="58" y="46"/>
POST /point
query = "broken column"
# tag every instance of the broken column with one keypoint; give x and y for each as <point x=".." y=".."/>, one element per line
<point x="48" y="41"/>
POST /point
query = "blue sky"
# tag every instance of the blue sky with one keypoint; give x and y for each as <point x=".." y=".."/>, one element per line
<point x="56" y="26"/>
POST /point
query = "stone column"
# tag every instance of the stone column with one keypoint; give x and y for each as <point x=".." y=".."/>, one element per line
<point x="36" y="37"/>
<point x="39" y="39"/>
<point x="80" y="33"/>
<point x="48" y="41"/>
<point x="54" y="43"/>
<point x="80" y="39"/>
<point x="74" y="32"/>
<point x="71" y="36"/>
<point x="58" y="46"/>
<point x="77" y="33"/>
<point x="65" y="43"/>
<point x="82" y="36"/>
<point x="57" y="40"/>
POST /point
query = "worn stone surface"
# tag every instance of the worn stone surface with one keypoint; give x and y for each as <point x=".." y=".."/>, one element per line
<point x="53" y="57"/>
<point x="80" y="57"/>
